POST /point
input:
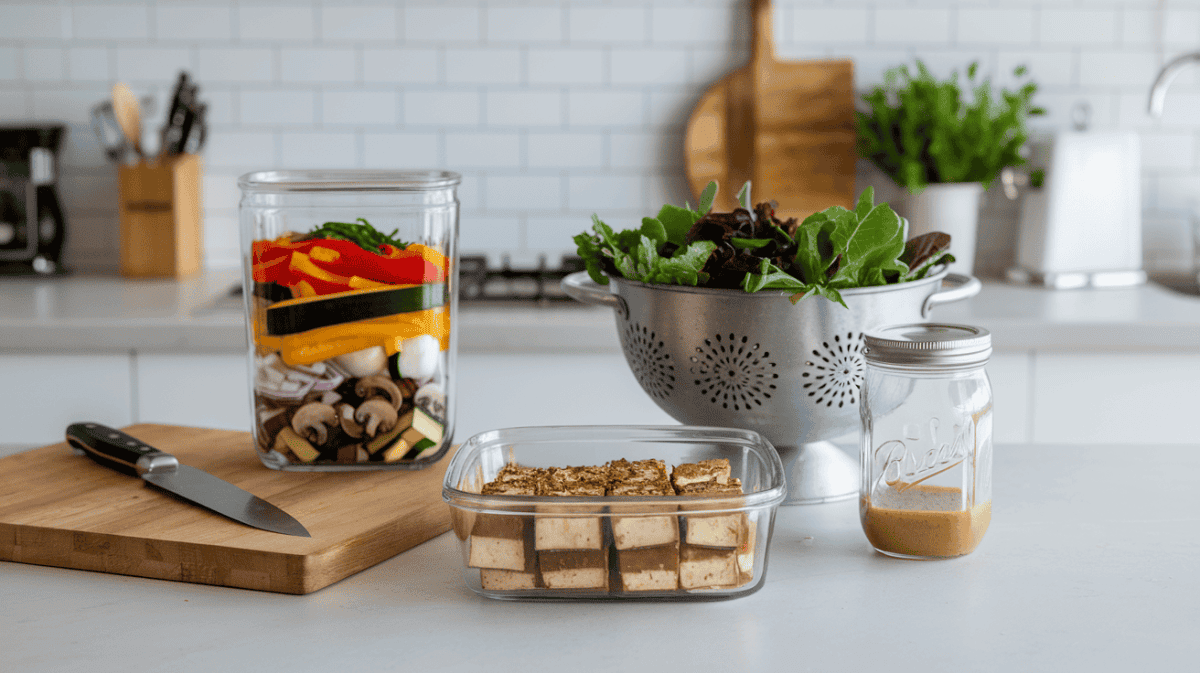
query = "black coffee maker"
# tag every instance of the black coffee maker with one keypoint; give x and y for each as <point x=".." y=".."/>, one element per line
<point x="31" y="218"/>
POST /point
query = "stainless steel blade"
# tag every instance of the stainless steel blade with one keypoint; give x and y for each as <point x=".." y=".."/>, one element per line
<point x="226" y="499"/>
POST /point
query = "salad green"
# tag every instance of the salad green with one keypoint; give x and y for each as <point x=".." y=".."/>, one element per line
<point x="752" y="249"/>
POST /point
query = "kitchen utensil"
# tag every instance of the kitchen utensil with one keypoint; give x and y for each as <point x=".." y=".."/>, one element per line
<point x="128" y="114"/>
<point x="123" y="453"/>
<point x="1083" y="225"/>
<point x="59" y="510"/>
<point x="352" y="353"/>
<point x="643" y="533"/>
<point x="756" y="361"/>
<point x="32" y="224"/>
<point x="787" y="126"/>
<point x="109" y="133"/>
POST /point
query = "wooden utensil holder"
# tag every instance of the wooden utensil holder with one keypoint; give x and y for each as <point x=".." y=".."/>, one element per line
<point x="160" y="217"/>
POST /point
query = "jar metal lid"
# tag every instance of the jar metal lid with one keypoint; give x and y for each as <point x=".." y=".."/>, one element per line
<point x="928" y="345"/>
<point x="348" y="181"/>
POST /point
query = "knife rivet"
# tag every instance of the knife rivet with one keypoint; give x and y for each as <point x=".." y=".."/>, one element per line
<point x="113" y="435"/>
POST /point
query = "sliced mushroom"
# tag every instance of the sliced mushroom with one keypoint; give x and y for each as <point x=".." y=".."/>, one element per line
<point x="378" y="384"/>
<point x="351" y="427"/>
<point x="377" y="415"/>
<point x="311" y="421"/>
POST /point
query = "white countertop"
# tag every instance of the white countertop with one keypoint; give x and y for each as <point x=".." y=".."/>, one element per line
<point x="1084" y="569"/>
<point x="109" y="313"/>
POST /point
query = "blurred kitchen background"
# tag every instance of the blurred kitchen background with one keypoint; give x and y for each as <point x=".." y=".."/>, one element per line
<point x="555" y="110"/>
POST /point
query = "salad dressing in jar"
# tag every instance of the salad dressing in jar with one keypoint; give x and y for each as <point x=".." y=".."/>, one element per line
<point x="351" y="297"/>
<point x="926" y="440"/>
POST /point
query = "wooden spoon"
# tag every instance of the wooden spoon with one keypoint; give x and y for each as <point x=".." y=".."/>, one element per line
<point x="128" y="114"/>
<point x="786" y="126"/>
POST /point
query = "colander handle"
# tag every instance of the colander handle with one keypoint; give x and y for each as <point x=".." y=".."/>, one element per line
<point x="961" y="287"/>
<point x="580" y="287"/>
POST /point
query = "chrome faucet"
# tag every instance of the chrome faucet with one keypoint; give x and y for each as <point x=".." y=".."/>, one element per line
<point x="1158" y="92"/>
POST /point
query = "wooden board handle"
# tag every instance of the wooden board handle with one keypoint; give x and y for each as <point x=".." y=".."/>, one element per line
<point x="762" y="32"/>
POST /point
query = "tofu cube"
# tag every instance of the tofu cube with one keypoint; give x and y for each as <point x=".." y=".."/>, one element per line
<point x="649" y="569"/>
<point x="707" y="568"/>
<point x="574" y="569"/>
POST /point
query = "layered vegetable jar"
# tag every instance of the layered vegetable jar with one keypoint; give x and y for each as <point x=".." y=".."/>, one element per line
<point x="353" y="294"/>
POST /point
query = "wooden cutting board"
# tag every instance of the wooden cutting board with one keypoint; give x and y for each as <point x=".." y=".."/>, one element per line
<point x="61" y="509"/>
<point x="788" y="126"/>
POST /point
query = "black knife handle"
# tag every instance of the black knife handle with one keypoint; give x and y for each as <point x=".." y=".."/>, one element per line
<point x="117" y="450"/>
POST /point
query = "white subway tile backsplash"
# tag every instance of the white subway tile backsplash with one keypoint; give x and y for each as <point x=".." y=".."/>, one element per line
<point x="483" y="150"/>
<point x="239" y="149"/>
<point x="235" y="64"/>
<point x="609" y="107"/>
<point x="110" y="21"/>
<point x="530" y="108"/>
<point x="318" y="64"/>
<point x="1095" y="27"/>
<point x="649" y="66"/>
<point x="45" y="64"/>
<point x="531" y="193"/>
<point x="442" y="108"/>
<point x="720" y="24"/>
<point x="1117" y="68"/>
<point x="192" y="22"/>
<point x="1046" y="68"/>
<point x="831" y="25"/>
<point x="152" y="65"/>
<point x="219" y="192"/>
<point x="565" y="150"/>
<point x="288" y="107"/>
<point x="610" y="25"/>
<point x="318" y="150"/>
<point x="483" y="66"/>
<point x="434" y="23"/>
<point x="565" y="65"/>
<point x="479" y="234"/>
<point x="31" y="21"/>
<point x="1006" y="26"/>
<point x="552" y="109"/>
<point x="1161" y="150"/>
<point x="401" y="150"/>
<point x="402" y="66"/>
<point x="606" y="193"/>
<point x="358" y="24"/>
<point x="283" y="22"/>
<point x="357" y="107"/>
<point x="524" y="25"/>
<point x="87" y="64"/>
<point x="912" y="26"/>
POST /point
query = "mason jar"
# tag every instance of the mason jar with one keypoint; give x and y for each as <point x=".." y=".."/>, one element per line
<point x="926" y="441"/>
<point x="351" y="297"/>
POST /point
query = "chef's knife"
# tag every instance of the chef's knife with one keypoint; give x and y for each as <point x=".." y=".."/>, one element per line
<point x="119" y="451"/>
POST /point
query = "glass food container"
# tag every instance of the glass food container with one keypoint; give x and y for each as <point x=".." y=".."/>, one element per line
<point x="926" y="440"/>
<point x="351" y="297"/>
<point x="520" y="541"/>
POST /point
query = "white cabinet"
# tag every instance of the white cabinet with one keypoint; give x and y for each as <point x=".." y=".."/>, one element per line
<point x="1060" y="398"/>
<point x="40" y="395"/>
<point x="210" y="390"/>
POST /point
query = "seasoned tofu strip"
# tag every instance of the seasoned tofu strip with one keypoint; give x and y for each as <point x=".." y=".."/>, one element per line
<point x="647" y="546"/>
<point x="504" y="541"/>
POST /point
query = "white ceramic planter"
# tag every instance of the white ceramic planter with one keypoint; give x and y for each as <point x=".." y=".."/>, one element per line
<point x="952" y="208"/>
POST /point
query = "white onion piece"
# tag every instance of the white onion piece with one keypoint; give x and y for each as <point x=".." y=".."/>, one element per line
<point x="364" y="362"/>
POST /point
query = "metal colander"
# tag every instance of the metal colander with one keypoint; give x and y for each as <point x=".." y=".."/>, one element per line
<point x="756" y="361"/>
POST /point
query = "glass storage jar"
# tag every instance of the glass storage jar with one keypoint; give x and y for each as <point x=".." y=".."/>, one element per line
<point x="351" y="296"/>
<point x="926" y="440"/>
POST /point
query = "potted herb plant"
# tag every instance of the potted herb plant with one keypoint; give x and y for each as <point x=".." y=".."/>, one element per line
<point x="944" y="142"/>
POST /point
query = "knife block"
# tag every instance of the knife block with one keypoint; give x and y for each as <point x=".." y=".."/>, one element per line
<point x="159" y="208"/>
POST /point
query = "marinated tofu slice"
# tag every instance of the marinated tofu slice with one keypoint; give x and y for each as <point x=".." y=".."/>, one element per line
<point x="715" y="471"/>
<point x="641" y="478"/>
<point x="552" y="533"/>
<point x="504" y="541"/>
<point x="707" y="568"/>
<point x="574" y="569"/>
<point x="714" y="530"/>
<point x="650" y="568"/>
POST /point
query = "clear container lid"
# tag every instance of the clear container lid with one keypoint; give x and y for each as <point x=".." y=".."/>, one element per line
<point x="928" y="346"/>
<point x="348" y="181"/>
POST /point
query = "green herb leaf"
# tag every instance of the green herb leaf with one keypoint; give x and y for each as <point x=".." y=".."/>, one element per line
<point x="750" y="243"/>
<point x="676" y="222"/>
<point x="360" y="232"/>
<point x="654" y="230"/>
<point x="706" y="198"/>
<point x="743" y="198"/>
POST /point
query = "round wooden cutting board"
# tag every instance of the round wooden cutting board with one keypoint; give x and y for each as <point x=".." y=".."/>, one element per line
<point x="786" y="126"/>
